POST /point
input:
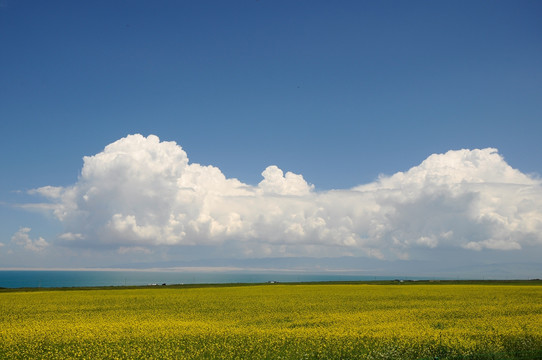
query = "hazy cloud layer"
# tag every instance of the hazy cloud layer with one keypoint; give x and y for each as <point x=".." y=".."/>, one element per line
<point x="140" y="192"/>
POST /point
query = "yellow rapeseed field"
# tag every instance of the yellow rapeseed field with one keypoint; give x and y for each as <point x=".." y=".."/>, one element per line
<point x="330" y="321"/>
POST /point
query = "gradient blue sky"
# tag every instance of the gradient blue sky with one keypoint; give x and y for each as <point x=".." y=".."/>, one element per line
<point x="339" y="92"/>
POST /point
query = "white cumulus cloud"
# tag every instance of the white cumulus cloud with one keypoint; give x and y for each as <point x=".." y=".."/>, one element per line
<point x="22" y="238"/>
<point x="140" y="192"/>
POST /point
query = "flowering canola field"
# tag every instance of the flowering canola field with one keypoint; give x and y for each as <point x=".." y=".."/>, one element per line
<point x="330" y="321"/>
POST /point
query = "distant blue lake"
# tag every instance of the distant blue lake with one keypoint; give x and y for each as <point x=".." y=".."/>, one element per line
<point x="47" y="279"/>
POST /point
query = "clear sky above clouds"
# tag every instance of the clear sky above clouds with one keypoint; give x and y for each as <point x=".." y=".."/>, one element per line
<point x="390" y="130"/>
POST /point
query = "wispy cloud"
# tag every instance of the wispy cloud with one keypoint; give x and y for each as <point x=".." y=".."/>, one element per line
<point x="141" y="192"/>
<point x="22" y="238"/>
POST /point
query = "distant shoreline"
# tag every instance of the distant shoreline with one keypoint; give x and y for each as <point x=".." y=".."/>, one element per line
<point x="398" y="282"/>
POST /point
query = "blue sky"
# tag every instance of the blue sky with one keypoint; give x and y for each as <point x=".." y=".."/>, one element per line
<point x="339" y="93"/>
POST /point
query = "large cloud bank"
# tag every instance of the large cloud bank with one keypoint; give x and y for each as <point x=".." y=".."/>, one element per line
<point x="140" y="192"/>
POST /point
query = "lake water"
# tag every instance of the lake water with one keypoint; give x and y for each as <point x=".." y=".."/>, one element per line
<point x="47" y="279"/>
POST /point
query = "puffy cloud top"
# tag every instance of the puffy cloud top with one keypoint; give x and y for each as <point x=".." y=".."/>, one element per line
<point x="457" y="167"/>
<point x="274" y="181"/>
<point x="141" y="192"/>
